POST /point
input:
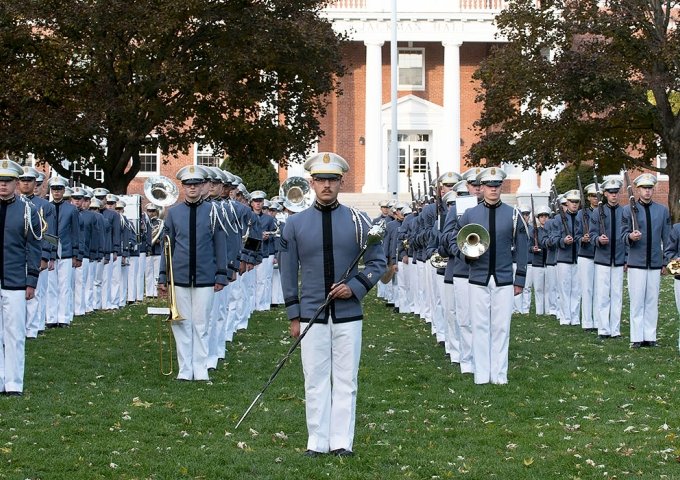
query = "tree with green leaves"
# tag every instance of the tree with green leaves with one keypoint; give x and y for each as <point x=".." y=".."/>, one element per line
<point x="585" y="81"/>
<point x="90" y="83"/>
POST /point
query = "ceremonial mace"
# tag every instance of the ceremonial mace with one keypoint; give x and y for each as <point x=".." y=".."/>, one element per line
<point x="373" y="237"/>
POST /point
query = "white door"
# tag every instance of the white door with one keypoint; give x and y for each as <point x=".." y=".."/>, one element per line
<point x="414" y="167"/>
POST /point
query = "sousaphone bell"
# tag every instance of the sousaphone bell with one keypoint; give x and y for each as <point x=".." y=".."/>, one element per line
<point x="473" y="240"/>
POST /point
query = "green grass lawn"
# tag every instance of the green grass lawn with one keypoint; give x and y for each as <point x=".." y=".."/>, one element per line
<point x="96" y="406"/>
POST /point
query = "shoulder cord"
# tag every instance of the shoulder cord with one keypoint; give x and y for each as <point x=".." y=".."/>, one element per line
<point x="215" y="218"/>
<point x="239" y="225"/>
<point x="359" y="218"/>
<point x="28" y="224"/>
<point x="226" y="217"/>
<point x="516" y="215"/>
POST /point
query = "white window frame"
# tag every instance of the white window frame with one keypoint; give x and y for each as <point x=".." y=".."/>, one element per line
<point x="149" y="173"/>
<point x="202" y="151"/>
<point x="416" y="88"/>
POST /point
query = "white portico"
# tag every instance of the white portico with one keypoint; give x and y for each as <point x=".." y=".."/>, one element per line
<point x="429" y="126"/>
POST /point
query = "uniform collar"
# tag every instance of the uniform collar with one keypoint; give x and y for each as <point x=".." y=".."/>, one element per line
<point x="9" y="201"/>
<point x="492" y="205"/>
<point x="194" y="204"/>
<point x="326" y="208"/>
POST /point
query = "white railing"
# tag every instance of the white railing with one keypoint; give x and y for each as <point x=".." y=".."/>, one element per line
<point x="423" y="5"/>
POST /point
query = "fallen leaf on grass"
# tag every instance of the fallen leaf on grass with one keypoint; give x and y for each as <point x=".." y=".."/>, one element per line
<point x="136" y="402"/>
<point x="528" y="461"/>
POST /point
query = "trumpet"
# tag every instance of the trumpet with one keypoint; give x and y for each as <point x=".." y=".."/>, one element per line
<point x="673" y="266"/>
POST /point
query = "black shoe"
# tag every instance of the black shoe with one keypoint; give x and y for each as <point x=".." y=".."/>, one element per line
<point x="396" y="309"/>
<point x="341" y="452"/>
<point x="636" y="345"/>
<point x="651" y="344"/>
<point x="311" y="453"/>
<point x="63" y="325"/>
<point x="615" y="336"/>
<point x="51" y="325"/>
<point x="389" y="305"/>
<point x="13" y="394"/>
<point x="603" y="337"/>
<point x="442" y="343"/>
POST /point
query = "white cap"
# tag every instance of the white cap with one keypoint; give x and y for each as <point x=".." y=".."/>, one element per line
<point x="100" y="192"/>
<point x="524" y="208"/>
<point x="191" y="175"/>
<point x="257" y="195"/>
<point x="68" y="192"/>
<point x="95" y="203"/>
<point x="590" y="189"/>
<point x="461" y="187"/>
<point x="326" y="164"/>
<point x="120" y="204"/>
<point x="449" y="197"/>
<point x="645" y="180"/>
<point x="78" y="192"/>
<point x="29" y="172"/>
<point x="492" y="176"/>
<point x="57" y="182"/>
<point x="470" y="176"/>
<point x="449" y="178"/>
<point x="151" y="207"/>
<point x="111" y="198"/>
<point x="573" y="195"/>
<point x="612" y="184"/>
<point x="10" y="169"/>
<point x="542" y="210"/>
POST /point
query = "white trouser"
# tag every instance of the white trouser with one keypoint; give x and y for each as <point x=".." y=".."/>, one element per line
<point x="191" y="334"/>
<point x="98" y="284"/>
<point x="60" y="293"/>
<point x="419" y="287"/>
<point x="538" y="282"/>
<point x="116" y="274"/>
<point x="153" y="265"/>
<point x="380" y="290"/>
<point x="389" y="290"/>
<point x="107" y="271"/>
<point x="215" y="329"/>
<point x="490" y="313"/>
<point x="406" y="295"/>
<point x="223" y="298"/>
<point x="132" y="275"/>
<point x="330" y="361"/>
<point x="249" y="293"/>
<point x="448" y="301"/>
<point x="608" y="298"/>
<point x="35" y="310"/>
<point x="461" y="288"/>
<point x="12" y="339"/>
<point x="436" y="296"/>
<point x="92" y="267"/>
<point x="551" y="290"/>
<point x="522" y="302"/>
<point x="235" y="306"/>
<point x="263" y="285"/>
<point x="80" y="292"/>
<point x="141" y="270"/>
<point x="122" y="293"/>
<point x="586" y="273"/>
<point x="643" y="291"/>
<point x="570" y="293"/>
<point x="277" y="290"/>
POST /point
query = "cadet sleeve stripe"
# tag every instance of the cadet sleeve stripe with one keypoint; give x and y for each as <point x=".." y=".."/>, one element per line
<point x="292" y="301"/>
<point x="364" y="281"/>
<point x="284" y="243"/>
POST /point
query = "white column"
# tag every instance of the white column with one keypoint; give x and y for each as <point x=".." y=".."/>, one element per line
<point x="374" y="173"/>
<point x="528" y="181"/>
<point x="449" y="157"/>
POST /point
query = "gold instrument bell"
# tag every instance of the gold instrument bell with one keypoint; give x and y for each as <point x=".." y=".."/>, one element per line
<point x="673" y="267"/>
<point x="473" y="240"/>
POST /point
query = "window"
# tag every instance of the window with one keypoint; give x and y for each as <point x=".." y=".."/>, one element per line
<point x="90" y="171"/>
<point x="148" y="159"/>
<point x="206" y="157"/>
<point x="411" y="69"/>
<point x="661" y="161"/>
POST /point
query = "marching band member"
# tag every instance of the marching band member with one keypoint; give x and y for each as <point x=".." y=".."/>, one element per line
<point x="126" y="246"/>
<point x="567" y="269"/>
<point x="390" y="248"/>
<point x="35" y="307"/>
<point x="645" y="260"/>
<point x="610" y="257"/>
<point x="318" y="244"/>
<point x="265" y="269"/>
<point x="539" y="262"/>
<point x="93" y="298"/>
<point x="20" y="227"/>
<point x="198" y="258"/>
<point x="384" y="212"/>
<point x="522" y="302"/>
<point x="154" y="250"/>
<point x="277" y="292"/>
<point x="672" y="253"/>
<point x="64" y="257"/>
<point x="86" y="229"/>
<point x="492" y="285"/>
<point x="112" y="247"/>
<point x="586" y="263"/>
<point x="553" y="228"/>
<point x="406" y="277"/>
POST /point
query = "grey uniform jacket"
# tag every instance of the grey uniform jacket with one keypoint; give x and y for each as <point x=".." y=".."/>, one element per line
<point x="20" y="261"/>
<point x="654" y="222"/>
<point x="503" y="222"/>
<point x="199" y="256"/>
<point x="672" y="249"/>
<point x="614" y="252"/>
<point x="68" y="230"/>
<point x="317" y="246"/>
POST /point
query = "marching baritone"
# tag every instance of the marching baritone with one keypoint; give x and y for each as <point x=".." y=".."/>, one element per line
<point x="198" y="266"/>
<point x="645" y="259"/>
<point x="492" y="285"/>
<point x="318" y="245"/>
<point x="20" y="227"/>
